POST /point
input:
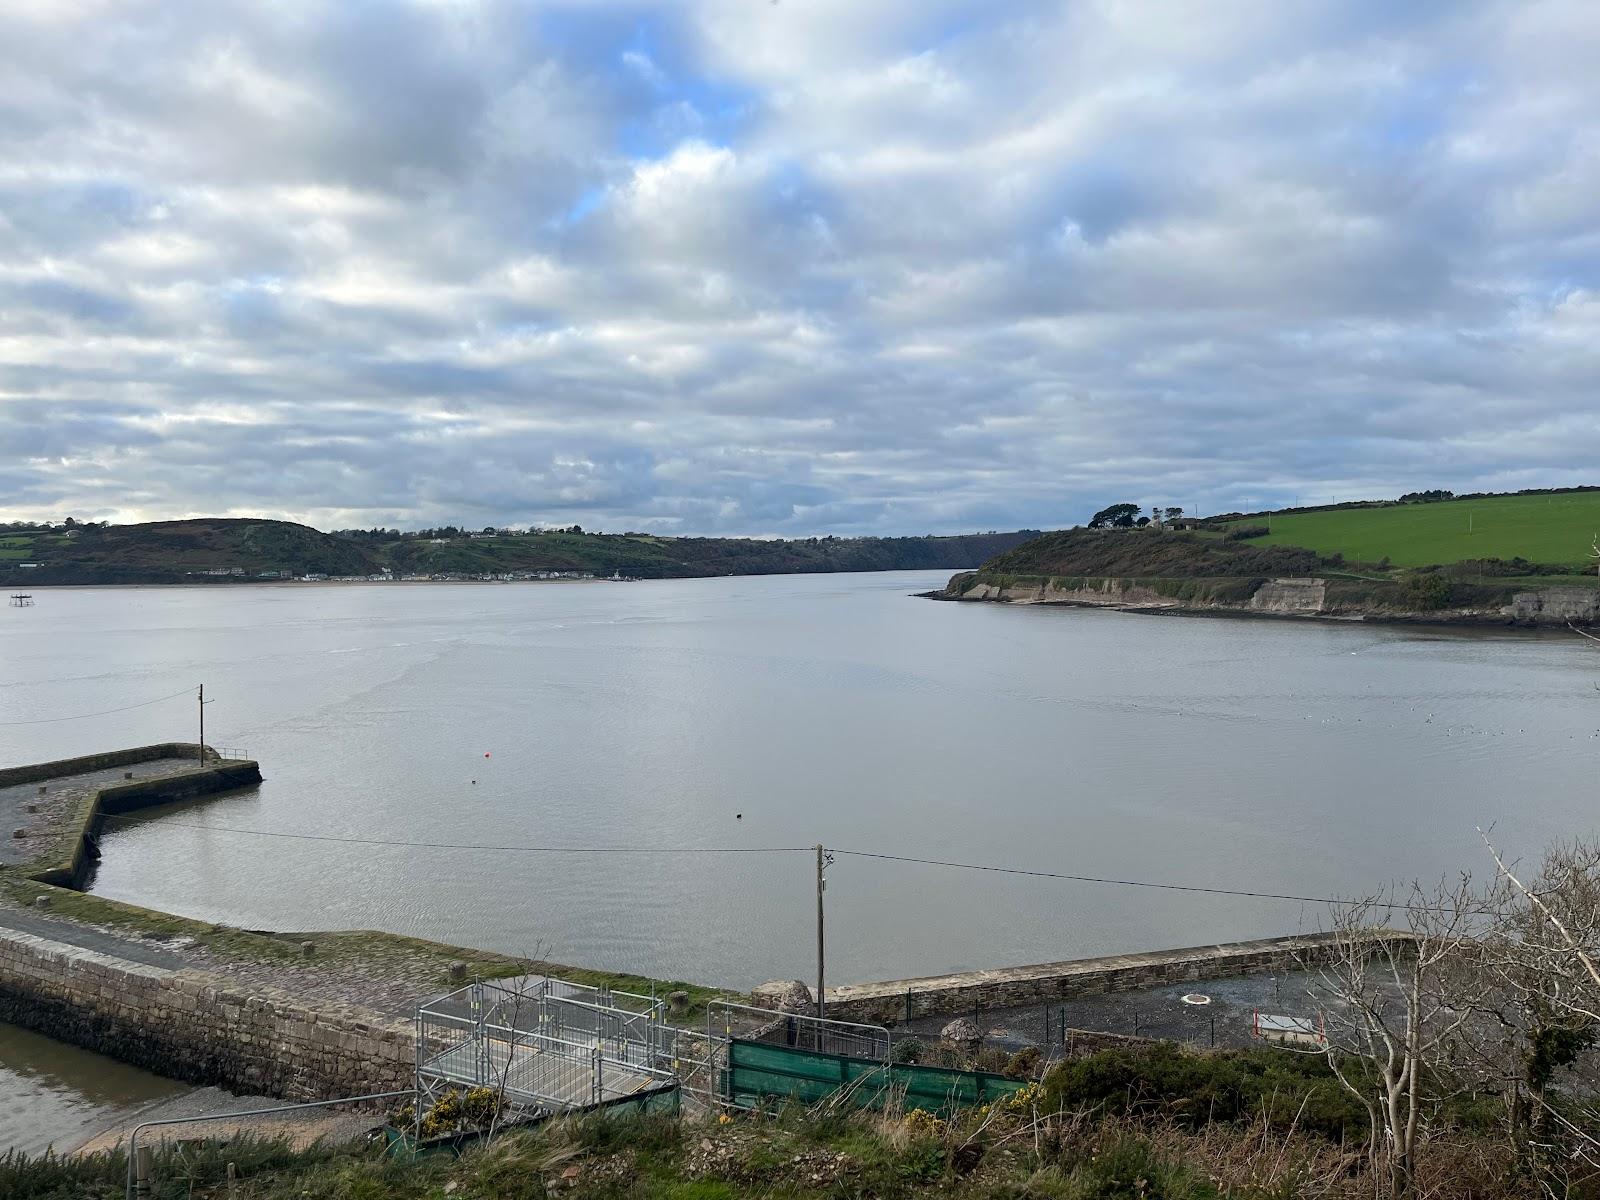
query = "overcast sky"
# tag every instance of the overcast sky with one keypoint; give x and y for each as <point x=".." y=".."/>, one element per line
<point x="791" y="266"/>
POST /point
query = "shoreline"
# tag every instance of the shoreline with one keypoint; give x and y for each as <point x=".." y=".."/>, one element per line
<point x="1474" y="622"/>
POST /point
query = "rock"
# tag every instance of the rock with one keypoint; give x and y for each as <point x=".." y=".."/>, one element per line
<point x="678" y="1002"/>
<point x="307" y="949"/>
<point x="783" y="995"/>
<point x="41" y="901"/>
<point x="963" y="1031"/>
<point x="457" y="972"/>
<point x="19" y="833"/>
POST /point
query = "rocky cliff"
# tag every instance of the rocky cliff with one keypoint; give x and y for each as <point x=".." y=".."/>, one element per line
<point x="1295" y="596"/>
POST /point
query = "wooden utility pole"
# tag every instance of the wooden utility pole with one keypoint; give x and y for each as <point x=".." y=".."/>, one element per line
<point x="821" y="975"/>
<point x="203" y="703"/>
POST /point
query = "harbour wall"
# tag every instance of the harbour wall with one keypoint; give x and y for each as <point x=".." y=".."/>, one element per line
<point x="1018" y="987"/>
<point x="62" y="767"/>
<point x="198" y="1027"/>
<point x="115" y="799"/>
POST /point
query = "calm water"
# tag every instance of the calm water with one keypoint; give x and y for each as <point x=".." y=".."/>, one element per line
<point x="1269" y="756"/>
<point x="55" y="1095"/>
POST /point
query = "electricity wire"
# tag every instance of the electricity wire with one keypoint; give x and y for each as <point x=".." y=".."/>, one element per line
<point x="356" y="841"/>
<point x="900" y="858"/>
<point x="104" y="713"/>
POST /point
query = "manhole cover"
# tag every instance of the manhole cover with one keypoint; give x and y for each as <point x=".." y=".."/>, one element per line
<point x="1196" y="998"/>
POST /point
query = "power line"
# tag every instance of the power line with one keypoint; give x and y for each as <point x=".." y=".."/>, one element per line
<point x="105" y="713"/>
<point x="323" y="837"/>
<point x="927" y="862"/>
<point x="1144" y="883"/>
<point x="1140" y="883"/>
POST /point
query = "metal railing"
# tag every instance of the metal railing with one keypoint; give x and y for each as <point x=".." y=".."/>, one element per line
<point x="848" y="1039"/>
<point x="139" y="1164"/>
<point x="539" y="1046"/>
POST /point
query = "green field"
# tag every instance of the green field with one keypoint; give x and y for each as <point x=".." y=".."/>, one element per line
<point x="1542" y="529"/>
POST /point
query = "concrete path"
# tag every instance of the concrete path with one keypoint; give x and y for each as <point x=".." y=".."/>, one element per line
<point x="72" y="934"/>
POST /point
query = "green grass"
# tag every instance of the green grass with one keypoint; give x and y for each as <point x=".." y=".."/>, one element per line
<point x="1543" y="529"/>
<point x="357" y="949"/>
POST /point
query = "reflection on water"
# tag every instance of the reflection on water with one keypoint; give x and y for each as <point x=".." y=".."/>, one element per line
<point x="52" y="1094"/>
<point x="1274" y="756"/>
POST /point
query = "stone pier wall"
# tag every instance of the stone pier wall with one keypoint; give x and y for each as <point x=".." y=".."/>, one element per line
<point x="198" y="1027"/>
<point x="1018" y="987"/>
<point x="61" y="767"/>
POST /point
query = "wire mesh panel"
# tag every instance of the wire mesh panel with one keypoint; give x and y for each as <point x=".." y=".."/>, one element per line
<point x="699" y="1060"/>
<point x="538" y="1048"/>
<point x="799" y="1031"/>
<point x="760" y="1071"/>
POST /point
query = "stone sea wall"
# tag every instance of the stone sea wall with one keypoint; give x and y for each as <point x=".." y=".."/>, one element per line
<point x="1018" y="987"/>
<point x="118" y="798"/>
<point x="61" y="767"/>
<point x="198" y="1027"/>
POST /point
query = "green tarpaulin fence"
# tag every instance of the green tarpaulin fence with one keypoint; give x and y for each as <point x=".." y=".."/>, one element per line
<point x="758" y="1071"/>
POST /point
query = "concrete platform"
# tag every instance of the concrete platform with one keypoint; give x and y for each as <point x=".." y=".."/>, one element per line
<point x="555" y="1076"/>
<point x="1227" y="1019"/>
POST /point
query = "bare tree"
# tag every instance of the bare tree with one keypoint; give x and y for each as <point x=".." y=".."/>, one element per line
<point x="1396" y="1009"/>
<point x="1543" y="956"/>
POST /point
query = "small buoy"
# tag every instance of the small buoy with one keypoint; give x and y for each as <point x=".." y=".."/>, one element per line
<point x="486" y="754"/>
<point x="738" y="816"/>
<point x="474" y="781"/>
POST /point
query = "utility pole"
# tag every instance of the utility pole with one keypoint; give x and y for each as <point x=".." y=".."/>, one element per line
<point x="203" y="703"/>
<point x="823" y="859"/>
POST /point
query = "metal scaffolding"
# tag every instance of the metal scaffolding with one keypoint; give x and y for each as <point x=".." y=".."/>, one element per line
<point x="543" y="1045"/>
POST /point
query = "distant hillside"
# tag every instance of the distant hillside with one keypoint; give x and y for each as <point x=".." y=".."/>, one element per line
<point x="648" y="557"/>
<point x="174" y="552"/>
<point x="1557" y="528"/>
<point x="1402" y="561"/>
<point x="230" y="550"/>
<point x="1148" y="553"/>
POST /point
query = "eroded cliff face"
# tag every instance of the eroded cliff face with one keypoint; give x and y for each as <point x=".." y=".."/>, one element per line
<point x="1305" y="596"/>
<point x="1298" y="596"/>
<point x="1557" y="606"/>
<point x="1110" y="593"/>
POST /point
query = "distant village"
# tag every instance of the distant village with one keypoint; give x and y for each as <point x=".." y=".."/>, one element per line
<point x="388" y="576"/>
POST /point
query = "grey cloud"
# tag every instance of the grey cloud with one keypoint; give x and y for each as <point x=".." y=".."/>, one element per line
<point x="418" y="262"/>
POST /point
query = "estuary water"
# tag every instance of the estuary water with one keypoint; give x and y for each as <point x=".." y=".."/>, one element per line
<point x="53" y="1095"/>
<point x="697" y="723"/>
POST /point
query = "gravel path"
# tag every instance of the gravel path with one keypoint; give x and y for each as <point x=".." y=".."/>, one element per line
<point x="301" y="1128"/>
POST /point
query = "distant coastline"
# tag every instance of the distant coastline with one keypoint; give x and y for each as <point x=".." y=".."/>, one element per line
<point x="1296" y="598"/>
<point x="237" y="551"/>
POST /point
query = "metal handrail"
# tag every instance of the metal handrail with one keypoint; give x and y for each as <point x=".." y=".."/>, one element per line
<point x="133" y="1137"/>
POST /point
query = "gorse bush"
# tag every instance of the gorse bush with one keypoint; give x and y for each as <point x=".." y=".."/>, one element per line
<point x="1279" y="1087"/>
<point x="1426" y="592"/>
